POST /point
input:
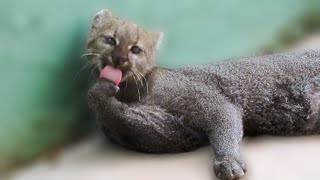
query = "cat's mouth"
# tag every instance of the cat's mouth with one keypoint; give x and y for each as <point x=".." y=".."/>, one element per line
<point x="118" y="75"/>
<point x="112" y="74"/>
<point x="99" y="62"/>
<point x="123" y="65"/>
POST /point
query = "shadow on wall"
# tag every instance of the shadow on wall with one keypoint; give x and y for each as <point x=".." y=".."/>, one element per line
<point x="43" y="102"/>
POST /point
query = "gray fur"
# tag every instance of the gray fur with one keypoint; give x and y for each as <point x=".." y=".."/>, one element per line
<point x="187" y="107"/>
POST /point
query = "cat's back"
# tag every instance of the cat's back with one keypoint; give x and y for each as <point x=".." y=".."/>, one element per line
<point x="259" y="70"/>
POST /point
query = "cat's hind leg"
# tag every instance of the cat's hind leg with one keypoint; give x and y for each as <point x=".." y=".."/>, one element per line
<point x="310" y="90"/>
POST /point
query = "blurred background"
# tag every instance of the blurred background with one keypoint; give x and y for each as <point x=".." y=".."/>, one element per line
<point x="46" y="130"/>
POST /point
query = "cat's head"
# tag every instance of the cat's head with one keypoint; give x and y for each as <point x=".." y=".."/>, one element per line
<point x="122" y="44"/>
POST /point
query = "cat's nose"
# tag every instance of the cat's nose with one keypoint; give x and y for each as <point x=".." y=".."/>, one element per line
<point x="119" y="57"/>
<point x="118" y="61"/>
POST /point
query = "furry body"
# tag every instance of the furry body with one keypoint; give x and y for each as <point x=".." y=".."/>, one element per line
<point x="275" y="94"/>
<point x="177" y="110"/>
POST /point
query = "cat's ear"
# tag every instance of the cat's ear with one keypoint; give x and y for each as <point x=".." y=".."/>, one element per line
<point x="157" y="39"/>
<point x="100" y="18"/>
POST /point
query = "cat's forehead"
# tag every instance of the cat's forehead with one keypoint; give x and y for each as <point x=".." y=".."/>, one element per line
<point x="124" y="29"/>
<point x="128" y="30"/>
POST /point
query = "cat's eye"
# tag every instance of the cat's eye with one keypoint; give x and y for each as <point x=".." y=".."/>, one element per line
<point x="110" y="40"/>
<point x="136" y="50"/>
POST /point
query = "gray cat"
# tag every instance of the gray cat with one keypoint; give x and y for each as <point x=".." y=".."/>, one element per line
<point x="159" y="110"/>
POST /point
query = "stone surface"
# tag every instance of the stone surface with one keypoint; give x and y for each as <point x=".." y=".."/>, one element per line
<point x="267" y="158"/>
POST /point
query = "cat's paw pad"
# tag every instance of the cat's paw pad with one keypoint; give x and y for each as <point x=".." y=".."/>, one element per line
<point x="229" y="168"/>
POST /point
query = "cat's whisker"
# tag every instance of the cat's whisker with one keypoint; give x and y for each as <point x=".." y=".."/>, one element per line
<point x="135" y="80"/>
<point x="95" y="61"/>
<point x="134" y="73"/>
<point x="95" y="64"/>
<point x="89" y="54"/>
<point x="144" y="80"/>
<point x="154" y="71"/>
<point x="95" y="67"/>
<point x="92" y="71"/>
<point x="126" y="84"/>
<point x="81" y="69"/>
<point x="138" y="76"/>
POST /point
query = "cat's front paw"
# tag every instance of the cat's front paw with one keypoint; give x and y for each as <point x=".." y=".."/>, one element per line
<point x="229" y="168"/>
<point x="103" y="88"/>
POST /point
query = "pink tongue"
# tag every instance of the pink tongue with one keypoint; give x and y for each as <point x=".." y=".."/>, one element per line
<point x="111" y="74"/>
